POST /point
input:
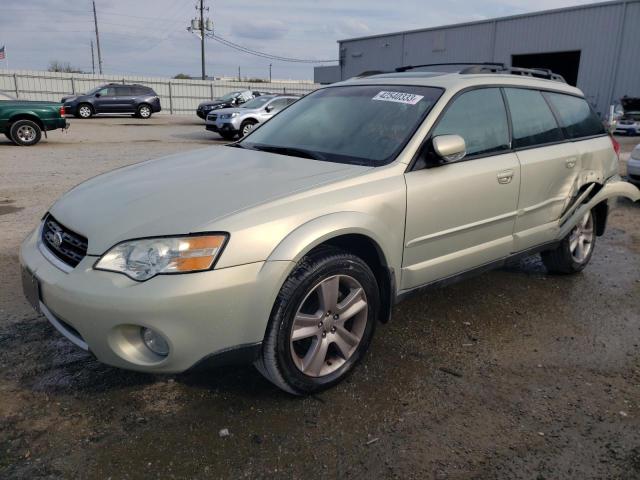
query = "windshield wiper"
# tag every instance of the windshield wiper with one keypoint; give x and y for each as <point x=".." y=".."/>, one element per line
<point x="291" y="151"/>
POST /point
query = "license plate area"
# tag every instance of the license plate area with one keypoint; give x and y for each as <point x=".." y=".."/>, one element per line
<point x="31" y="288"/>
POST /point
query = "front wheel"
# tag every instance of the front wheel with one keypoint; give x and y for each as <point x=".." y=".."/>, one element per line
<point x="575" y="250"/>
<point x="246" y="127"/>
<point x="84" y="110"/>
<point x="25" y="133"/>
<point x="322" y="322"/>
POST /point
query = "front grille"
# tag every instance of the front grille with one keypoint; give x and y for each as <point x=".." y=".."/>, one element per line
<point x="65" y="244"/>
<point x="213" y="117"/>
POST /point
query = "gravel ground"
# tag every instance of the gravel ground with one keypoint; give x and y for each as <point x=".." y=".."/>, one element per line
<point x="513" y="374"/>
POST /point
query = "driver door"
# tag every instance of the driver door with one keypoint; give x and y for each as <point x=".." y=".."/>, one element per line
<point x="107" y="100"/>
<point x="461" y="215"/>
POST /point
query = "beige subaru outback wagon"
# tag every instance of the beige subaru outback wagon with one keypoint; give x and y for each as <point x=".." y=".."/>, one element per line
<point x="286" y="248"/>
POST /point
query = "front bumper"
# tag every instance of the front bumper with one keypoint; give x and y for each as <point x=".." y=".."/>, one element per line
<point x="199" y="314"/>
<point x="627" y="129"/>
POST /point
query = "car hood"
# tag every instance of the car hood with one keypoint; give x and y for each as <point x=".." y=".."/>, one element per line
<point x="213" y="103"/>
<point x="186" y="193"/>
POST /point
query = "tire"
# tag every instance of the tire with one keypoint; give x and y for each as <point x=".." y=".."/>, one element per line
<point x="325" y="285"/>
<point x="25" y="133"/>
<point x="84" y="110"/>
<point x="246" y="127"/>
<point x="575" y="250"/>
<point x="144" y="111"/>
<point x="228" y="135"/>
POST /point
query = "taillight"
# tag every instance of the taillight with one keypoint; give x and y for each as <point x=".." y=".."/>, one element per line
<point x="616" y="146"/>
<point x="62" y="111"/>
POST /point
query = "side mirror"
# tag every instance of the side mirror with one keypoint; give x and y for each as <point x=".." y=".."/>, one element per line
<point x="269" y="108"/>
<point x="450" y="148"/>
<point x="97" y="95"/>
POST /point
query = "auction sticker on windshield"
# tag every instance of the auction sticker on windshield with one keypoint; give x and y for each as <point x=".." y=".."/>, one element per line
<point x="399" y="97"/>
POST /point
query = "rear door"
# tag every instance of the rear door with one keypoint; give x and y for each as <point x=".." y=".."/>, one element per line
<point x="126" y="99"/>
<point x="461" y="215"/>
<point x="549" y="167"/>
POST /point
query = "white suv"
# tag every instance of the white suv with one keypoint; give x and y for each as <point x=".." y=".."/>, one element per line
<point x="287" y="248"/>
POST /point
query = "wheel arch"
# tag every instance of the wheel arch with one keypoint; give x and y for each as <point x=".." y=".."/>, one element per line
<point x="354" y="232"/>
<point x="26" y="116"/>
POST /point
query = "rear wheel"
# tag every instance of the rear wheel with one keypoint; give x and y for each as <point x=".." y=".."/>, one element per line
<point x="321" y="324"/>
<point x="25" y="133"/>
<point x="144" y="111"/>
<point x="575" y="250"/>
<point x="246" y="127"/>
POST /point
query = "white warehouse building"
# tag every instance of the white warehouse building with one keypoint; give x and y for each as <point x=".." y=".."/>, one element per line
<point x="595" y="47"/>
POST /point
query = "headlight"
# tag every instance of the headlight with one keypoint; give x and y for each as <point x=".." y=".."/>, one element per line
<point x="229" y="115"/>
<point x="146" y="258"/>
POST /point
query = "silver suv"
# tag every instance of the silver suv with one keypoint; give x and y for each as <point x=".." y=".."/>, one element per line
<point x="230" y="122"/>
<point x="287" y="248"/>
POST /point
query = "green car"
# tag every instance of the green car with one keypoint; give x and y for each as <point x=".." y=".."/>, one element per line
<point x="23" y="121"/>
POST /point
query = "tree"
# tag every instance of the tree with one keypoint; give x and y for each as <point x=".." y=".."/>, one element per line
<point x="57" y="66"/>
<point x="182" y="76"/>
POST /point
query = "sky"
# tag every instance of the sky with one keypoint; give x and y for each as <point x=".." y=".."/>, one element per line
<point x="149" y="37"/>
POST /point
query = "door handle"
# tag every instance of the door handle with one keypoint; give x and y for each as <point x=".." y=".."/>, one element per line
<point x="505" y="177"/>
<point x="570" y="162"/>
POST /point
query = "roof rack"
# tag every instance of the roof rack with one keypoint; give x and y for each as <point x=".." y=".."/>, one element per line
<point x="449" y="64"/>
<point x="544" y="73"/>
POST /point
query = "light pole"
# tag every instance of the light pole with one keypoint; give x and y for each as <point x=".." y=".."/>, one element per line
<point x="270" y="65"/>
<point x="200" y="26"/>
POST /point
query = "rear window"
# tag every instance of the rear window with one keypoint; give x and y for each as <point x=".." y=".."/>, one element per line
<point x="532" y="119"/>
<point x="142" y="91"/>
<point x="576" y="116"/>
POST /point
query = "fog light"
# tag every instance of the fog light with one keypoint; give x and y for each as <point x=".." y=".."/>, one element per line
<point x="154" y="342"/>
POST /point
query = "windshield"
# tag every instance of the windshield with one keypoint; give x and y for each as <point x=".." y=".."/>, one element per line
<point x="360" y="124"/>
<point x="257" y="102"/>
<point x="229" y="96"/>
<point x="4" y="96"/>
<point x="94" y="90"/>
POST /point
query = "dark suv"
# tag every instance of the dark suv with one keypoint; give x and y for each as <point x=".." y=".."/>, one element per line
<point x="233" y="99"/>
<point x="139" y="100"/>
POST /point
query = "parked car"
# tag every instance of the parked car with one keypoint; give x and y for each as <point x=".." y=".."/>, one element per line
<point x="229" y="122"/>
<point x="23" y="121"/>
<point x="629" y="122"/>
<point x="633" y="166"/>
<point x="287" y="247"/>
<point x="112" y="98"/>
<point x="233" y="99"/>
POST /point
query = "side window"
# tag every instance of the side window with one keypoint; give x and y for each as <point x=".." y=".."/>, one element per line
<point x="576" y="116"/>
<point x="532" y="119"/>
<point x="278" y="104"/>
<point x="480" y="118"/>
<point x="123" y="91"/>
<point x="107" y="92"/>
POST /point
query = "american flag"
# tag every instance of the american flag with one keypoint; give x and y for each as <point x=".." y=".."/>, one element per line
<point x="3" y="54"/>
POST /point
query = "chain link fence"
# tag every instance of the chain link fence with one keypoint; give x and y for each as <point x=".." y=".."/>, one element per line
<point x="177" y="96"/>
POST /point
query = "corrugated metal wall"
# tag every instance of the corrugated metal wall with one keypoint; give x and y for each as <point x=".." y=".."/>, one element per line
<point x="176" y="96"/>
<point x="608" y="36"/>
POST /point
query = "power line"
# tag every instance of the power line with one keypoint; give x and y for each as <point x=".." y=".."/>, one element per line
<point x="257" y="53"/>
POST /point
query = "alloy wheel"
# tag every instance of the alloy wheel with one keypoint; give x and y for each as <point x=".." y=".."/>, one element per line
<point x="84" y="111"/>
<point x="145" y="112"/>
<point x="581" y="239"/>
<point x="329" y="325"/>
<point x="247" y="128"/>
<point x="26" y="134"/>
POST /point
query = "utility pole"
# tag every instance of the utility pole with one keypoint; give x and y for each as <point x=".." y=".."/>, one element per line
<point x="239" y="76"/>
<point x="95" y="22"/>
<point x="204" y="76"/>
<point x="270" y="65"/>
<point x="93" y="60"/>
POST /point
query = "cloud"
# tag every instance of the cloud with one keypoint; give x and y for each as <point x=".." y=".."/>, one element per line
<point x="260" y="29"/>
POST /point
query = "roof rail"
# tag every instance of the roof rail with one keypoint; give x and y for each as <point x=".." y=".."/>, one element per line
<point x="544" y="73"/>
<point x="449" y="64"/>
